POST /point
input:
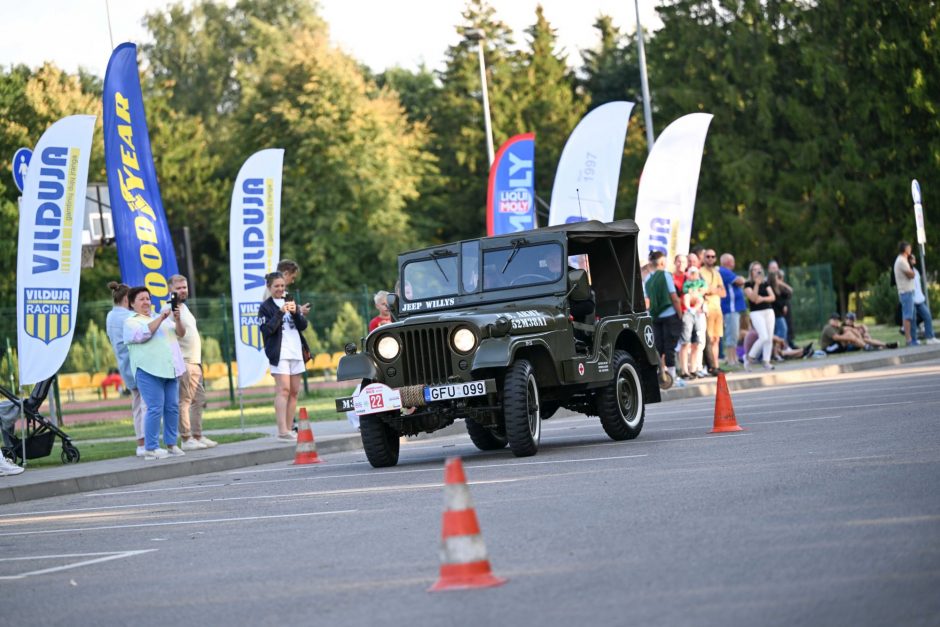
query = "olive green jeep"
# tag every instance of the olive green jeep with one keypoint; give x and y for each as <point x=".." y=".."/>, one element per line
<point x="501" y="332"/>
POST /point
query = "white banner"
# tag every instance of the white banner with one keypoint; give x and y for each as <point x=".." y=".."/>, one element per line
<point x="665" y="201"/>
<point x="49" y="250"/>
<point x="255" y="243"/>
<point x="588" y="171"/>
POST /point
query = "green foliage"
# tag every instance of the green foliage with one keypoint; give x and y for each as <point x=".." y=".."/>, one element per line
<point x="314" y="343"/>
<point x="211" y="351"/>
<point x="9" y="368"/>
<point x="349" y="327"/>
<point x="823" y="110"/>
<point x="92" y="353"/>
<point x="882" y="300"/>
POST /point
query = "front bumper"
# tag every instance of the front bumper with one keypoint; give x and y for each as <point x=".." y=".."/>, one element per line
<point x="378" y="397"/>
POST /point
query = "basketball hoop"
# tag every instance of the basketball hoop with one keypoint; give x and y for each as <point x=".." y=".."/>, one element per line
<point x="88" y="256"/>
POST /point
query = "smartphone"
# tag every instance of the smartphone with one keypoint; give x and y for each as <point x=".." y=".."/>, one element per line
<point x="288" y="298"/>
<point x="174" y="301"/>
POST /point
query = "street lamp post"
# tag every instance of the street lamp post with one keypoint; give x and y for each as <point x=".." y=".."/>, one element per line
<point x="479" y="36"/>
<point x="644" y="82"/>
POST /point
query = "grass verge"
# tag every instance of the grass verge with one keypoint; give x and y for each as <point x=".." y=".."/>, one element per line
<point x="321" y="409"/>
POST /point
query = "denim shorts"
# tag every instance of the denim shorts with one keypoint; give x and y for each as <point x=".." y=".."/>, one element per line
<point x="907" y="305"/>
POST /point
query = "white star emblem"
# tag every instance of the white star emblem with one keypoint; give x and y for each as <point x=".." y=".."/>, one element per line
<point x="649" y="336"/>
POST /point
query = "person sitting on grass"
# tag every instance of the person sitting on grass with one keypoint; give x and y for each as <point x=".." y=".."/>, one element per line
<point x="834" y="340"/>
<point x="850" y="325"/>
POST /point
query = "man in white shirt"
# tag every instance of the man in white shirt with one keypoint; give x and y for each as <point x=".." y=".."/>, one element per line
<point x="904" y="277"/>
<point x="192" y="390"/>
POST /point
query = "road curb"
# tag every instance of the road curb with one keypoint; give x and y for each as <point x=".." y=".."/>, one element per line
<point x="136" y="471"/>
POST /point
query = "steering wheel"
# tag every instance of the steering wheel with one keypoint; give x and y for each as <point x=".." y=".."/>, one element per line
<point x="541" y="278"/>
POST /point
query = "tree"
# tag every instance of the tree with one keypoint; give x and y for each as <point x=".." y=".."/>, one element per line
<point x="458" y="139"/>
<point x="545" y="99"/>
<point x="349" y="327"/>
<point x="352" y="159"/>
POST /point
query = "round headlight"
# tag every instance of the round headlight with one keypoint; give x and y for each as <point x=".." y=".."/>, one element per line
<point x="387" y="347"/>
<point x="464" y="340"/>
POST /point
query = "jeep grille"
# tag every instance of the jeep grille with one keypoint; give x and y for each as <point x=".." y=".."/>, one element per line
<point x="426" y="356"/>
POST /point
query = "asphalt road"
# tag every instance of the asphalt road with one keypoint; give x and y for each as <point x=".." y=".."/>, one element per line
<point x="825" y="511"/>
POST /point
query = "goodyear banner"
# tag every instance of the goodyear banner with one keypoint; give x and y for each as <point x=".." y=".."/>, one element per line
<point x="588" y="171"/>
<point x="50" y="246"/>
<point x="665" y="201"/>
<point x="145" y="250"/>
<point x="510" y="196"/>
<point x="255" y="245"/>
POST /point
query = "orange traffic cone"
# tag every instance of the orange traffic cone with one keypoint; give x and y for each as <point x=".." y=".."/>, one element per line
<point x="724" y="410"/>
<point x="464" y="563"/>
<point x="306" y="447"/>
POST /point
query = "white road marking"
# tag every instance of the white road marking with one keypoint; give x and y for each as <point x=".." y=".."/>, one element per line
<point x="35" y="517"/>
<point x="907" y="520"/>
<point x="107" y="557"/>
<point x="173" y="489"/>
<point x="175" y="523"/>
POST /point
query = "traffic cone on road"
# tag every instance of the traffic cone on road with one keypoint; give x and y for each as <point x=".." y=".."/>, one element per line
<point x="306" y="447"/>
<point x="464" y="563"/>
<point x="725" y="420"/>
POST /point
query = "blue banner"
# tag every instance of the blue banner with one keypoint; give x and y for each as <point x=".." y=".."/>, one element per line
<point x="145" y="250"/>
<point x="510" y="196"/>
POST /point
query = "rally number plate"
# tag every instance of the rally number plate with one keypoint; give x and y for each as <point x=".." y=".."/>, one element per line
<point x="457" y="390"/>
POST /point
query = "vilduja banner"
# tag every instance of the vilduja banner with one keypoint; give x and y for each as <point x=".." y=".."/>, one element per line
<point x="255" y="245"/>
<point x="588" y="171"/>
<point x="48" y="263"/>
<point x="510" y="195"/>
<point x="665" y="201"/>
<point x="145" y="250"/>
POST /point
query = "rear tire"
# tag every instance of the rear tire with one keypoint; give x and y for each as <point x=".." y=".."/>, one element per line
<point x="521" y="409"/>
<point x="486" y="438"/>
<point x="380" y="442"/>
<point x="620" y="405"/>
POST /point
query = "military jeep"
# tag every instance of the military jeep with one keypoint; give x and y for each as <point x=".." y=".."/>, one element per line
<point x="501" y="332"/>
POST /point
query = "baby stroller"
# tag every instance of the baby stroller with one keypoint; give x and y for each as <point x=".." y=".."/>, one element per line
<point x="40" y="431"/>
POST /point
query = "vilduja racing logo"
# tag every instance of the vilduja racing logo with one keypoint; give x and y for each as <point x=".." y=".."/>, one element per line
<point x="249" y="327"/>
<point x="48" y="313"/>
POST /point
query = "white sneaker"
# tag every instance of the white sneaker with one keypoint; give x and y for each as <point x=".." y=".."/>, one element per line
<point x="8" y="468"/>
<point x="159" y="453"/>
<point x="141" y="451"/>
<point x="207" y="442"/>
<point x="679" y="383"/>
<point x="175" y="451"/>
<point x="286" y="437"/>
<point x="192" y="444"/>
<point x="931" y="340"/>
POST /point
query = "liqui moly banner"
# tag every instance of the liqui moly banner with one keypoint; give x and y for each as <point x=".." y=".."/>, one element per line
<point x="510" y="196"/>
<point x="255" y="245"/>
<point x="49" y="250"/>
<point x="145" y="250"/>
<point x="588" y="171"/>
<point x="665" y="201"/>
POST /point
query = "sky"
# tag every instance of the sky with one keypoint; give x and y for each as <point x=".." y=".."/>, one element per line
<point x="379" y="33"/>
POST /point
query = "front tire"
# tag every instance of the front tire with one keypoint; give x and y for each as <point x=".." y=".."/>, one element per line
<point x="486" y="438"/>
<point x="380" y="442"/>
<point x="620" y="405"/>
<point x="521" y="409"/>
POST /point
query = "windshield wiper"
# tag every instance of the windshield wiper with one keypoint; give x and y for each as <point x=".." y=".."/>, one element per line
<point x="516" y="244"/>
<point x="441" y="253"/>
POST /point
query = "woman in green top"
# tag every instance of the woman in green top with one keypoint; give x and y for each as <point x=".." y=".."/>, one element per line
<point x="156" y="361"/>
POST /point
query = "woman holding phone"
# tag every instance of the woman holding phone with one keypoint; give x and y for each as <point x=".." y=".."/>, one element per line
<point x="286" y="349"/>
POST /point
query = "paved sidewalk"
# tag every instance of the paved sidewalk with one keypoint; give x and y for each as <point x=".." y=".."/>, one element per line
<point x="336" y="436"/>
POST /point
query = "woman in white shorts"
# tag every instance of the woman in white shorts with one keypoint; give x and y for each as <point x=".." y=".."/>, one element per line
<point x="286" y="349"/>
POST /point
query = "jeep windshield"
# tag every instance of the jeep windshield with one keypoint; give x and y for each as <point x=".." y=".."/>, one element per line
<point x="445" y="273"/>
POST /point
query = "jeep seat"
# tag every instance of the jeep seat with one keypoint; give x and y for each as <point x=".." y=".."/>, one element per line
<point x="581" y="299"/>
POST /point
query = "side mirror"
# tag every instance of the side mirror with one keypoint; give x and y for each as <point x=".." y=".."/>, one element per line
<point x="392" y="300"/>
